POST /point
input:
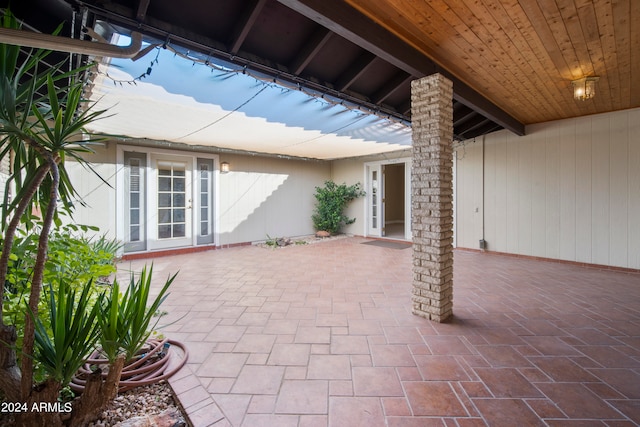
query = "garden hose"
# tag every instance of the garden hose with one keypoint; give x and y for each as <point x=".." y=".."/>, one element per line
<point x="144" y="369"/>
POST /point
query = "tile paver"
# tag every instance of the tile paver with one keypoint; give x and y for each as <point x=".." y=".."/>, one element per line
<point x="323" y="335"/>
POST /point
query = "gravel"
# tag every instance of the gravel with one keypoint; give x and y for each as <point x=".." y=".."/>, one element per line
<point x="138" y="402"/>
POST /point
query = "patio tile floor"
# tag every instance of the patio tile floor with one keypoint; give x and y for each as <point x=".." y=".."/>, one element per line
<point x="323" y="335"/>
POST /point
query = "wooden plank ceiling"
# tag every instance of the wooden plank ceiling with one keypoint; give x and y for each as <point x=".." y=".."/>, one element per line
<point x="523" y="54"/>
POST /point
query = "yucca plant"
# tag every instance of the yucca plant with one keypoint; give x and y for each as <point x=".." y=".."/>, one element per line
<point x="73" y="332"/>
<point x="135" y="312"/>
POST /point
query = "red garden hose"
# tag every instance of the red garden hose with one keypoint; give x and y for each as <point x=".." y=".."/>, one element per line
<point x="144" y="369"/>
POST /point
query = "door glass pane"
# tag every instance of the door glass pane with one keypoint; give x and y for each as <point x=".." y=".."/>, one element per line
<point x="178" y="230"/>
<point x="178" y="184"/>
<point x="171" y="200"/>
<point x="178" y="200"/>
<point x="164" y="216"/>
<point x="164" y="200"/>
<point x="164" y="183"/>
<point x="164" y="231"/>
<point x="178" y="215"/>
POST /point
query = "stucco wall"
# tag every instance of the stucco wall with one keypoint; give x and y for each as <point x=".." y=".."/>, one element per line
<point x="567" y="190"/>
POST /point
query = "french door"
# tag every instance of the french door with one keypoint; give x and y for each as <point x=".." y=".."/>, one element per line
<point x="168" y="201"/>
<point x="171" y="202"/>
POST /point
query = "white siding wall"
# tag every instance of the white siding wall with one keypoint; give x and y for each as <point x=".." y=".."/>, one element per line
<point x="5" y="172"/>
<point x="261" y="196"/>
<point x="99" y="197"/>
<point x="351" y="171"/>
<point x="567" y="190"/>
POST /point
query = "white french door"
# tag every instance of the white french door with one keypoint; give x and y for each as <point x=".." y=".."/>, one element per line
<point x="170" y="219"/>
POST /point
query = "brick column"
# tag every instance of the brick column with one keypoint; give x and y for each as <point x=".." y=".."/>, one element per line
<point x="432" y="197"/>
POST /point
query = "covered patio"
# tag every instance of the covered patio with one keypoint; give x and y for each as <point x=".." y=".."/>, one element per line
<point x="322" y="334"/>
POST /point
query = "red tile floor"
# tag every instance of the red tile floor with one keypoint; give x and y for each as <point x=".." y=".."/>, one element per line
<point x="322" y="335"/>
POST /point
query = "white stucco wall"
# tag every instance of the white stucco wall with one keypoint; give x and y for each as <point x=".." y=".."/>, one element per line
<point x="567" y="190"/>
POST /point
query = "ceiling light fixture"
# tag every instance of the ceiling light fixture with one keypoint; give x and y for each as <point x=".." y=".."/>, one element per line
<point x="584" y="88"/>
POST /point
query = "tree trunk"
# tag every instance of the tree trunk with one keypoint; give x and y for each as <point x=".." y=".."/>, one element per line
<point x="36" y="281"/>
<point x="10" y="376"/>
<point x="98" y="392"/>
<point x="10" y="231"/>
<point x="42" y="409"/>
<point x="9" y="372"/>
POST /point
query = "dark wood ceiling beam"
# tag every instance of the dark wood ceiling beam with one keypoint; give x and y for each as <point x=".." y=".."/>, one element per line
<point x="405" y="109"/>
<point x="472" y="124"/>
<point x="400" y="79"/>
<point x="463" y="116"/>
<point x="244" y="24"/>
<point x="310" y="50"/>
<point x="141" y="13"/>
<point x="481" y="129"/>
<point x="355" y="70"/>
<point x="349" y="23"/>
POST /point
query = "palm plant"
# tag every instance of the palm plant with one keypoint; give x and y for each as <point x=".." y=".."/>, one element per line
<point x="41" y="120"/>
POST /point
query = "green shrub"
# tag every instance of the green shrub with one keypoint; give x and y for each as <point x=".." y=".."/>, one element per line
<point x="77" y="261"/>
<point x="332" y="199"/>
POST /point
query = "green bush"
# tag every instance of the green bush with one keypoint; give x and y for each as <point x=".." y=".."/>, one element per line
<point x="332" y="199"/>
<point x="73" y="259"/>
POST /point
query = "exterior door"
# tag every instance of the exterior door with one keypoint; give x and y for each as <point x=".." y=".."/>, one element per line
<point x="171" y="213"/>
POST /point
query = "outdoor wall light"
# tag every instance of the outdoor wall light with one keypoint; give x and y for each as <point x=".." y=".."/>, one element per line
<point x="224" y="167"/>
<point x="584" y="88"/>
